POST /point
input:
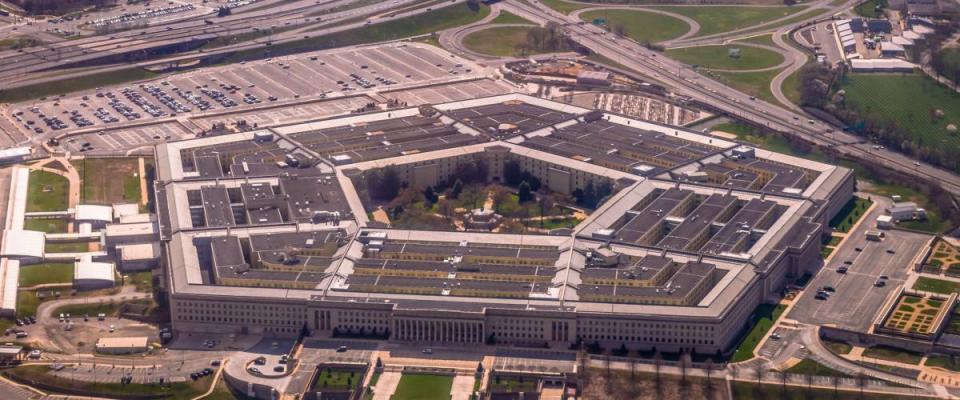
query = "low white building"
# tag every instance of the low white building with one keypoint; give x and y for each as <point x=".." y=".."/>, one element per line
<point x="884" y="222"/>
<point x="94" y="215"/>
<point x="90" y="275"/>
<point x="906" y="211"/>
<point x="138" y="257"/>
<point x="122" y="345"/>
<point x="142" y="232"/>
<point x="9" y="281"/>
<point x="25" y="246"/>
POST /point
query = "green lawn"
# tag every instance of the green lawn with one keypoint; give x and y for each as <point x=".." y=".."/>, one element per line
<point x="27" y="302"/>
<point x="945" y="362"/>
<point x="48" y="225"/>
<point x="79" y="247"/>
<point x="506" y="17"/>
<point x="142" y="280"/>
<point x="908" y="101"/>
<point x="39" y="274"/>
<point x="936" y="285"/>
<point x="765" y="315"/>
<point x="718" y="57"/>
<point x="770" y="141"/>
<point x="892" y="354"/>
<point x="563" y="6"/>
<point x="756" y="84"/>
<point x="109" y="180"/>
<point x="68" y="85"/>
<point x="811" y="367"/>
<point x="47" y="192"/>
<point x="512" y="384"/>
<point x="837" y="347"/>
<point x="792" y="85"/>
<point x="850" y="214"/>
<point x="335" y="379"/>
<point x="750" y="391"/>
<point x="719" y="19"/>
<point x="766" y="40"/>
<point x="934" y="222"/>
<point x="423" y="387"/>
<point x="641" y="26"/>
<point x="40" y="373"/>
<point x="870" y="10"/>
<point x="502" y="41"/>
<point x="432" y="21"/>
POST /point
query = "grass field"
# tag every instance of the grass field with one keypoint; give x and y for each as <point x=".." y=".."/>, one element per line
<point x="945" y="362"/>
<point x="936" y="285"/>
<point x="423" y="387"/>
<point x="907" y="99"/>
<point x="335" y="379"/>
<point x="838" y="347"/>
<point x="811" y="367"/>
<point x="753" y="83"/>
<point x="501" y="41"/>
<point x="40" y="373"/>
<point x="750" y="391"/>
<point x="48" y="225"/>
<point x="850" y="214"/>
<point x="769" y="141"/>
<point x="68" y="85"/>
<point x="641" y="26"/>
<point x="67" y="247"/>
<point x="891" y="354"/>
<point x="40" y="274"/>
<point x="765" y="314"/>
<point x="870" y="8"/>
<point x="934" y="223"/>
<point x="432" y="21"/>
<point x="509" y="18"/>
<point x="718" y="57"/>
<point x="563" y="6"/>
<point x="47" y="192"/>
<point x="719" y="19"/>
<point x="108" y="180"/>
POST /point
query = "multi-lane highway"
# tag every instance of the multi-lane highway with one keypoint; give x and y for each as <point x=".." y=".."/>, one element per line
<point x="687" y="82"/>
<point x="293" y="20"/>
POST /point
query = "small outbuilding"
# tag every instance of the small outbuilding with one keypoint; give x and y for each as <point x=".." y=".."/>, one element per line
<point x="90" y="275"/>
<point x="122" y="345"/>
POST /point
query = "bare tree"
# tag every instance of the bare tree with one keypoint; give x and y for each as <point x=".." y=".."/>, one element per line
<point x="657" y="362"/>
<point x="607" y="376"/>
<point x="809" y="379"/>
<point x="861" y="382"/>
<point x="836" y="384"/>
<point x="684" y="363"/>
<point x="758" y="369"/>
<point x="783" y="381"/>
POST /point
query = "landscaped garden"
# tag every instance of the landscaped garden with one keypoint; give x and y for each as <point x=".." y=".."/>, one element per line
<point x="423" y="387"/>
<point x="765" y="315"/>
<point x="47" y="191"/>
<point x="945" y="258"/>
<point x="519" y="204"/>
<point x="334" y="379"/>
<point x="913" y="314"/>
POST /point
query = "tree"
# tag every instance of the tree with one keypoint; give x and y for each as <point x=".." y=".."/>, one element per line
<point x="523" y="193"/>
<point x="457" y="189"/>
<point x="473" y="5"/>
<point x="430" y="195"/>
<point x="512" y="172"/>
<point x="383" y="184"/>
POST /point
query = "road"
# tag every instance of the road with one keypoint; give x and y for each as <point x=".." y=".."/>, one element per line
<point x="697" y="87"/>
<point x="293" y="20"/>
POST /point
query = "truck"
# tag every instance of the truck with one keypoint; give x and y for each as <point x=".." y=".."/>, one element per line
<point x="875" y="236"/>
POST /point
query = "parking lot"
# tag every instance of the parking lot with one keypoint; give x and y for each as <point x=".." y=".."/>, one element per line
<point x="111" y="141"/>
<point x="285" y="114"/>
<point x="451" y="92"/>
<point x="857" y="300"/>
<point x="250" y="86"/>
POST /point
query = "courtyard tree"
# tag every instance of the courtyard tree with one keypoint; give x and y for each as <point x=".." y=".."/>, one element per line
<point x="457" y="189"/>
<point x="383" y="184"/>
<point x="523" y="192"/>
<point x="429" y="195"/>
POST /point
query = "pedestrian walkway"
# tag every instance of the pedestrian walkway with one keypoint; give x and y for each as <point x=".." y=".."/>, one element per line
<point x="386" y="385"/>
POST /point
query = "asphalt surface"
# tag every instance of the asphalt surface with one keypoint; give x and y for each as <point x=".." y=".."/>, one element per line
<point x="857" y="302"/>
<point x="688" y="83"/>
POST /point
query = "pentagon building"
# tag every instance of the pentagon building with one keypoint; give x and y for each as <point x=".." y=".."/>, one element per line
<point x="266" y="232"/>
